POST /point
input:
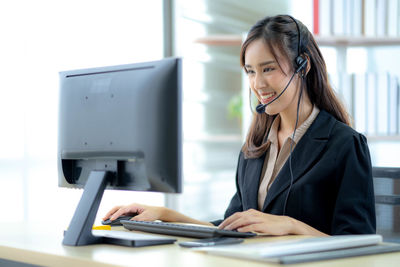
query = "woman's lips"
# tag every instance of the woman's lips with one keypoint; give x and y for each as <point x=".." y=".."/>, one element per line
<point x="266" y="98"/>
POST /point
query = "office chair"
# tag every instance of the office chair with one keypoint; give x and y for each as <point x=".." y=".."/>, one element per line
<point x="387" y="202"/>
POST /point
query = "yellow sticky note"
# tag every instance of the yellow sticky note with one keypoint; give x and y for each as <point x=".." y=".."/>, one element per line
<point x="101" y="227"/>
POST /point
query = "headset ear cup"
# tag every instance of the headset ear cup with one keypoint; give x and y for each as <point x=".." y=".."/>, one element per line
<point x="301" y="64"/>
<point x="300" y="61"/>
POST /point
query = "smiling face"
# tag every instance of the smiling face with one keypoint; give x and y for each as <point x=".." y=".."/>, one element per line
<point x="267" y="78"/>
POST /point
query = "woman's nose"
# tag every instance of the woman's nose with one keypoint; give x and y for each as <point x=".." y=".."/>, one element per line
<point x="259" y="82"/>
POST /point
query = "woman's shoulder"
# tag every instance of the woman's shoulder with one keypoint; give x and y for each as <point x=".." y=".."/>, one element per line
<point x="341" y="132"/>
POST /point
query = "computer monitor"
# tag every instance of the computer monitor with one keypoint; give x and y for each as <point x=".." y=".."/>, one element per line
<point x="119" y="128"/>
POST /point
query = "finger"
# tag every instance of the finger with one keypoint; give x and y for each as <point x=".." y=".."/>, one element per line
<point x="111" y="212"/>
<point x="132" y="209"/>
<point x="229" y="220"/>
<point x="143" y="217"/>
<point x="240" y="222"/>
<point x="245" y="218"/>
<point x="236" y="215"/>
<point x="264" y="228"/>
<point x="255" y="227"/>
<point x="122" y="211"/>
<point x="116" y="214"/>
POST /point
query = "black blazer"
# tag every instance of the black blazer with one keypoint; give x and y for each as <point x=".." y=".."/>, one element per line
<point x="332" y="189"/>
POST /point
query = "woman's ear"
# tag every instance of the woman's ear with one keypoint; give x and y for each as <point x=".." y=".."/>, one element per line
<point x="308" y="67"/>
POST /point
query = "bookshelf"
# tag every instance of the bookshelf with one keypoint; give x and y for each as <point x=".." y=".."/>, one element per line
<point x="344" y="25"/>
<point x="341" y="44"/>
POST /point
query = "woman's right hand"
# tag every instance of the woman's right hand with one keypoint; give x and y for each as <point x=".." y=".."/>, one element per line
<point x="144" y="213"/>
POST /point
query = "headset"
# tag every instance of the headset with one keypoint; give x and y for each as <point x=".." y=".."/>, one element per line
<point x="300" y="63"/>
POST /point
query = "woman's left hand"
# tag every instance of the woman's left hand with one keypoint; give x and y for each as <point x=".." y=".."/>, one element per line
<point x="256" y="221"/>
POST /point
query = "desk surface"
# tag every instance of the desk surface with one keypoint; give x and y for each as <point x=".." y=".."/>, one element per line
<point x="41" y="245"/>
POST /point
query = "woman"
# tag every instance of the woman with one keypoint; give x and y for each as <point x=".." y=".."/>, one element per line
<point x="302" y="169"/>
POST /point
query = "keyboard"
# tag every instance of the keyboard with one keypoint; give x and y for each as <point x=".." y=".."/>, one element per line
<point x="182" y="229"/>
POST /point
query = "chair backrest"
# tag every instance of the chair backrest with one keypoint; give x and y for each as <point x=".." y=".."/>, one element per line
<point x="387" y="202"/>
<point x="392" y="198"/>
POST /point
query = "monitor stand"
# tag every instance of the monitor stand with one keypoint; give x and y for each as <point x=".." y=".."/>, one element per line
<point x="79" y="232"/>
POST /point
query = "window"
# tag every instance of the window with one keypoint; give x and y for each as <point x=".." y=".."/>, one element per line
<point x="39" y="39"/>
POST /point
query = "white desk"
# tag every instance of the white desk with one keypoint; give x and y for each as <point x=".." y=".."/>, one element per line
<point x="41" y="245"/>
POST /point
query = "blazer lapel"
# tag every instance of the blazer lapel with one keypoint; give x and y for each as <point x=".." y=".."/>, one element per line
<point x="303" y="156"/>
<point x="251" y="182"/>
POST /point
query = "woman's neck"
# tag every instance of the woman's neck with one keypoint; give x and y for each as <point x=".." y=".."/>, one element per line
<point x="288" y="117"/>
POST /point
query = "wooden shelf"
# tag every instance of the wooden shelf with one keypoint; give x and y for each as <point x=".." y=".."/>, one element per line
<point x="236" y="40"/>
<point x="221" y="40"/>
<point x="220" y="138"/>
<point x="357" y="41"/>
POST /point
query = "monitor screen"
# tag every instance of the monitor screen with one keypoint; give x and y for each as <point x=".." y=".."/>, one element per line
<point x="119" y="128"/>
<point x="125" y="119"/>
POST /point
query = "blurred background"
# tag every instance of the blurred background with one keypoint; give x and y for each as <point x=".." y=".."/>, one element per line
<point x="41" y="38"/>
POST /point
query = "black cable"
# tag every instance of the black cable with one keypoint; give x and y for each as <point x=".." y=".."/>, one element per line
<point x="291" y="148"/>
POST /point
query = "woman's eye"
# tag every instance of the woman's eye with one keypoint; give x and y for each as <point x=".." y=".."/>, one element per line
<point x="268" y="69"/>
<point x="250" y="71"/>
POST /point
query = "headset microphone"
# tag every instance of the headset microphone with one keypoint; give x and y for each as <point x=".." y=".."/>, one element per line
<point x="261" y="107"/>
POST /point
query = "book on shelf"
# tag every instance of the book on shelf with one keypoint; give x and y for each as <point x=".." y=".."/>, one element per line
<point x="373" y="101"/>
<point x="316" y="17"/>
<point x="334" y="81"/>
<point x="369" y="17"/>
<point x="392" y="17"/>
<point x="357" y="17"/>
<point x="324" y="16"/>
<point x="347" y="20"/>
<point x="338" y="17"/>
<point x="397" y="16"/>
<point x="345" y="91"/>
<point x="381" y="109"/>
<point x="360" y="104"/>
<point x="397" y="107"/>
<point x="381" y="15"/>
<point x="393" y="96"/>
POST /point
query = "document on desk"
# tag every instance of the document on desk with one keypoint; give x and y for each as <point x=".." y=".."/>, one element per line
<point x="275" y="251"/>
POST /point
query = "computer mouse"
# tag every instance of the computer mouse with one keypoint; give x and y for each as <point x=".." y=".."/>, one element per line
<point x="117" y="222"/>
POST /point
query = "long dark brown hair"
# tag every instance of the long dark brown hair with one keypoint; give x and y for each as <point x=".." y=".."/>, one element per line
<point x="280" y="34"/>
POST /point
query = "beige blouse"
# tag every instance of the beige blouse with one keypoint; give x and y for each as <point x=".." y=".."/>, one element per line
<point x="274" y="159"/>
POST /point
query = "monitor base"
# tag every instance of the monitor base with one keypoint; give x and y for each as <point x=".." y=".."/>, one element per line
<point x="80" y="233"/>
